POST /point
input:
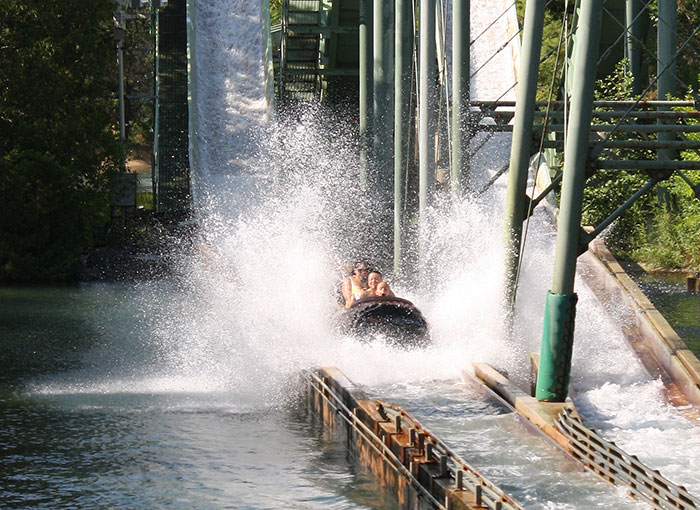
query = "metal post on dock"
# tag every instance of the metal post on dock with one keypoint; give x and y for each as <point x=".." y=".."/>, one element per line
<point x="521" y="146"/>
<point x="403" y="47"/>
<point x="459" y="173"/>
<point x="560" y="305"/>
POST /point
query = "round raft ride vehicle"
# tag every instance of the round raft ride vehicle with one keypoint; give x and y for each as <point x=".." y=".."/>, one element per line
<point x="395" y="319"/>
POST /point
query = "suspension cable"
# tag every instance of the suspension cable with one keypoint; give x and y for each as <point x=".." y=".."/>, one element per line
<point x="492" y="23"/>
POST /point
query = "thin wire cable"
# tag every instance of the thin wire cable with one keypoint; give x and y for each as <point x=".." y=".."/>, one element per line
<point x="492" y="23"/>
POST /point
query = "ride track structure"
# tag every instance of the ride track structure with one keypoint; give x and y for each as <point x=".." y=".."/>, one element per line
<point x="612" y="464"/>
<point x="561" y="422"/>
<point x="421" y="471"/>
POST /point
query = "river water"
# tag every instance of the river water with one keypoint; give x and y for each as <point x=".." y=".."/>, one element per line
<point x="102" y="406"/>
<point x="668" y="292"/>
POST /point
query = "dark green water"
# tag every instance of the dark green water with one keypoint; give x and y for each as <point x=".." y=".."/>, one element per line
<point x="680" y="308"/>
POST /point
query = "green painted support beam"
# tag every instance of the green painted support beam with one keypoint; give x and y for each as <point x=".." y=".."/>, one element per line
<point x="427" y="92"/>
<point x="633" y="51"/>
<point x="459" y="172"/>
<point x="381" y="177"/>
<point x="403" y="47"/>
<point x="366" y="93"/>
<point x="560" y="310"/>
<point x="666" y="67"/>
<point x="521" y="147"/>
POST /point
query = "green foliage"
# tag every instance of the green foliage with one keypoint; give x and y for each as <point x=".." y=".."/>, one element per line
<point x="48" y="217"/>
<point x="661" y="229"/>
<point x="674" y="237"/>
<point x="617" y="86"/>
<point x="275" y="12"/>
<point x="58" y="141"/>
<point x="551" y="35"/>
<point x="144" y="200"/>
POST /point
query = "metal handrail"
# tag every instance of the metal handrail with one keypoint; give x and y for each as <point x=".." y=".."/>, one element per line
<point x="611" y="463"/>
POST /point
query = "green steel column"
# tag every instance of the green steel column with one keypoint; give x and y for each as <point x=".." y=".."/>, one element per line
<point x="666" y="51"/>
<point x="403" y="46"/>
<point x="521" y="146"/>
<point x="366" y="93"/>
<point x="383" y="91"/>
<point x="382" y="174"/>
<point x="427" y="92"/>
<point x="632" y="49"/>
<point x="459" y="173"/>
<point x="560" y="308"/>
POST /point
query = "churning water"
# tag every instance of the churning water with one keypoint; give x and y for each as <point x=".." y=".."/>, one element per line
<point x="180" y="393"/>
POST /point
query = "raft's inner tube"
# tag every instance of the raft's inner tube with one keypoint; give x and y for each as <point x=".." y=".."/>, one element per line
<point x="397" y="319"/>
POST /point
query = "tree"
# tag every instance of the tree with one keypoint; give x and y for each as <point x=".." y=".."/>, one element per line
<point x="58" y="142"/>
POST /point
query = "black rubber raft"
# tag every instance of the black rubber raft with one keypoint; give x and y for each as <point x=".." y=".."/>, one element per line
<point x="396" y="320"/>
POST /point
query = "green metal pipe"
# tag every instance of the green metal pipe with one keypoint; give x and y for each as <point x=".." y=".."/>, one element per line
<point x="366" y="86"/>
<point x="626" y="128"/>
<point x="382" y="174"/>
<point x="638" y="114"/>
<point x="521" y="146"/>
<point x="459" y="172"/>
<point x="492" y="105"/>
<point x="632" y="49"/>
<point x="576" y="151"/>
<point x="560" y="311"/>
<point x="666" y="66"/>
<point x="403" y="47"/>
<point x="427" y="92"/>
<point x="383" y="39"/>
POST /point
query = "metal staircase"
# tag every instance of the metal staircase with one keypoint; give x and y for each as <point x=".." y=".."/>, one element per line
<point x="315" y="51"/>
